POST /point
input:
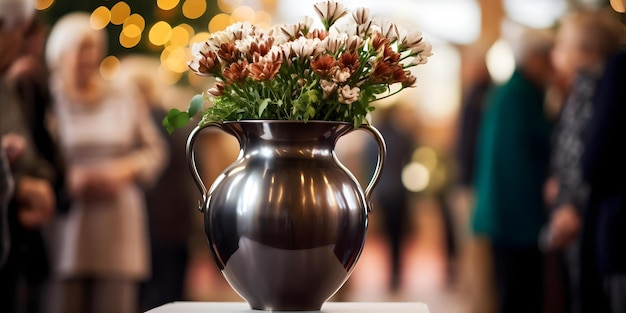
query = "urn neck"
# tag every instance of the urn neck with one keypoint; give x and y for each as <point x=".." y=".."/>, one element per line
<point x="287" y="138"/>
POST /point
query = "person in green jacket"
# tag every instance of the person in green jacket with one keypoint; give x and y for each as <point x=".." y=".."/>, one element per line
<point x="511" y="168"/>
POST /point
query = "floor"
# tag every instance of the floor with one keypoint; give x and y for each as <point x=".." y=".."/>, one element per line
<point x="425" y="276"/>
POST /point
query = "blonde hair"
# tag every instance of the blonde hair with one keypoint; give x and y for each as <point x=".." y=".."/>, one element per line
<point x="67" y="35"/>
<point x="14" y="12"/>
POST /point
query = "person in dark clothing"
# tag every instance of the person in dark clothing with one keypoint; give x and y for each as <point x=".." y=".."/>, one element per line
<point x="469" y="121"/>
<point x="584" y="42"/>
<point x="391" y="197"/>
<point x="603" y="276"/>
<point x="33" y="202"/>
<point x="512" y="165"/>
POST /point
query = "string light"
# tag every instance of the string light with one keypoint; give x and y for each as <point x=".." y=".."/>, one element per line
<point x="160" y="33"/>
<point x="120" y="12"/>
<point x="243" y="14"/>
<point x="219" y="22"/>
<point x="43" y="4"/>
<point x="193" y="9"/>
<point x="110" y="67"/>
<point x="100" y="17"/>
<point x="167" y="5"/>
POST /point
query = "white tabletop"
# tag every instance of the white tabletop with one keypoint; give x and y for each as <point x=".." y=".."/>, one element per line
<point x="329" y="307"/>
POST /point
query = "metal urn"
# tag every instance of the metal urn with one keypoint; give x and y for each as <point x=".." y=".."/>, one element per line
<point x="286" y="222"/>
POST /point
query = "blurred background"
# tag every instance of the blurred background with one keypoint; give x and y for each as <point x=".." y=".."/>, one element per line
<point x="429" y="254"/>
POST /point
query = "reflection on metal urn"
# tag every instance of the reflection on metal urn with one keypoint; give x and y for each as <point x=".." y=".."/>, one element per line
<point x="285" y="222"/>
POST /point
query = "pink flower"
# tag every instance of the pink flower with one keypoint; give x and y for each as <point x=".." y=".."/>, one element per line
<point x="348" y="95"/>
<point x="328" y="87"/>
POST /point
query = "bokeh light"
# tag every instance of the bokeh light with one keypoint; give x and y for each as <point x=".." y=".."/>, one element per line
<point x="168" y="77"/>
<point x="181" y="35"/>
<point x="160" y="33"/>
<point x="127" y="41"/>
<point x="131" y="31"/>
<point x="100" y="17"/>
<point x="618" y="5"/>
<point x="43" y="4"/>
<point x="500" y="61"/>
<point x="137" y="20"/>
<point x="193" y="9"/>
<point x="263" y="19"/>
<point x="243" y="14"/>
<point x="109" y="67"/>
<point x="219" y="22"/>
<point x="425" y="156"/>
<point x="167" y="4"/>
<point x="120" y="12"/>
<point x="415" y="177"/>
<point x="176" y="60"/>
<point x="199" y="37"/>
<point x="225" y="6"/>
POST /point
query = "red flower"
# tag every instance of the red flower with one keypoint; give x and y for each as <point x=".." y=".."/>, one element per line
<point x="236" y="72"/>
<point x="324" y="65"/>
<point x="228" y="52"/>
<point x="204" y="64"/>
<point x="390" y="56"/>
<point x="264" y="70"/>
<point x="379" y="41"/>
<point x="380" y="72"/>
<point x="262" y="48"/>
<point x="218" y="90"/>
<point x="349" y="60"/>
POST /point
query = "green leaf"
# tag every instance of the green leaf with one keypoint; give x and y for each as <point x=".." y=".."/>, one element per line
<point x="175" y="119"/>
<point x="168" y="126"/>
<point x="167" y="120"/>
<point x="310" y="111"/>
<point x="262" y="106"/>
<point x="195" y="105"/>
<point x="180" y="120"/>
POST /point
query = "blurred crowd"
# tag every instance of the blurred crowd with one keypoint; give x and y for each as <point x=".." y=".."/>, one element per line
<point x="96" y="200"/>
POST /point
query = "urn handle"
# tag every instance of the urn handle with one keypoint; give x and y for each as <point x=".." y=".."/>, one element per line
<point x="382" y="152"/>
<point x="191" y="160"/>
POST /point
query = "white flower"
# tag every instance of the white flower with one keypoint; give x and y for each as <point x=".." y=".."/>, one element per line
<point x="344" y="27"/>
<point x="241" y="30"/>
<point x="362" y="16"/>
<point x="304" y="48"/>
<point x="424" y="51"/>
<point x="348" y="95"/>
<point x="363" y="21"/>
<point x="305" y="24"/>
<point x="292" y="31"/>
<point x="354" y="43"/>
<point x="199" y="48"/>
<point x="218" y="38"/>
<point x="328" y="87"/>
<point x="330" y="12"/>
<point x="408" y="40"/>
<point x="276" y="32"/>
<point x="334" y="42"/>
<point x="243" y="45"/>
<point x="387" y="29"/>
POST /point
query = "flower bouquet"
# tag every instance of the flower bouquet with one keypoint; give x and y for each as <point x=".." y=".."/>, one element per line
<point x="296" y="72"/>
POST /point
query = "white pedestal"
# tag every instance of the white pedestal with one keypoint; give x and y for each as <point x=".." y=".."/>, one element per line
<point x="329" y="307"/>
